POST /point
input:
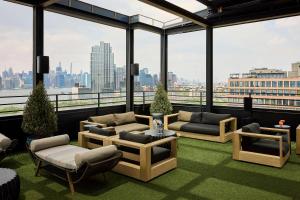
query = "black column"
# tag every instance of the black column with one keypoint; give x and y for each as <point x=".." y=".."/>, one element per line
<point x="38" y="41"/>
<point x="129" y="61"/>
<point x="209" y="69"/>
<point x="164" y="60"/>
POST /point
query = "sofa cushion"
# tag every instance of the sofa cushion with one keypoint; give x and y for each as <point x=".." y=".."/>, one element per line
<point x="45" y="143"/>
<point x="196" y="117"/>
<point x="5" y="142"/>
<point x="213" y="118"/>
<point x="176" y="125"/>
<point x="104" y="119"/>
<point x="184" y="116"/>
<point x="124" y="118"/>
<point x="131" y="127"/>
<point x="159" y="154"/>
<point x="101" y="131"/>
<point x="252" y="128"/>
<point x="266" y="146"/>
<point x="62" y="156"/>
<point x="207" y="129"/>
<point x="143" y="139"/>
<point x="95" y="155"/>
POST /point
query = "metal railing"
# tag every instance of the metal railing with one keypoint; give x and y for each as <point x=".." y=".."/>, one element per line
<point x="15" y="104"/>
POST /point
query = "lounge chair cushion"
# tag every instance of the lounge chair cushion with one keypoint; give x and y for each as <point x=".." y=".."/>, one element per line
<point x="184" y="116"/>
<point x="5" y="142"/>
<point x="159" y="154"/>
<point x="131" y="127"/>
<point x="104" y="119"/>
<point x="124" y="118"/>
<point x="213" y="118"/>
<point x="62" y="156"/>
<point x="95" y="155"/>
<point x="176" y="125"/>
<point x="250" y="128"/>
<point x="143" y="139"/>
<point x="207" y="129"/>
<point x="45" y="143"/>
<point x="101" y="131"/>
<point x="266" y="146"/>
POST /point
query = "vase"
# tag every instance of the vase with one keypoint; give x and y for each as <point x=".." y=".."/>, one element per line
<point x="158" y="122"/>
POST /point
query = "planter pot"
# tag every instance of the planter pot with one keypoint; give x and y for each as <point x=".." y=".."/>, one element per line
<point x="158" y="122"/>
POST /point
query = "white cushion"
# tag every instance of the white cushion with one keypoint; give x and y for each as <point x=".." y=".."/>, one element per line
<point x="95" y="155"/>
<point x="45" y="143"/>
<point x="63" y="156"/>
<point x="5" y="142"/>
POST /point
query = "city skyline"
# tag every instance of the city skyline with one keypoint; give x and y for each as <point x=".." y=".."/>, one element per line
<point x="185" y="58"/>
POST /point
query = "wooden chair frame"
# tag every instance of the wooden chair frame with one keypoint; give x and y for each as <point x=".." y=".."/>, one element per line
<point x="86" y="122"/>
<point x="145" y="171"/>
<point x="222" y="138"/>
<point x="298" y="139"/>
<point x="260" y="158"/>
<point x="85" y="136"/>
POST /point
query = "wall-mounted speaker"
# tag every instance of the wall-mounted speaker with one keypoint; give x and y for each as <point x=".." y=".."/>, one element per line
<point x="42" y="65"/>
<point x="248" y="103"/>
<point x="135" y="71"/>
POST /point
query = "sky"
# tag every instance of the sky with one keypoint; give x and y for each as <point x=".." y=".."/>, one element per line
<point x="273" y="44"/>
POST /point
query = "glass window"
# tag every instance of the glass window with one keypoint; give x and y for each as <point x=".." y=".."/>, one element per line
<point x="280" y="84"/>
<point x="15" y="56"/>
<point x="292" y="83"/>
<point x="286" y="84"/>
<point x="298" y="83"/>
<point x="274" y="83"/>
<point x="280" y="92"/>
<point x="246" y="84"/>
<point x="263" y="84"/>
<point x="268" y="84"/>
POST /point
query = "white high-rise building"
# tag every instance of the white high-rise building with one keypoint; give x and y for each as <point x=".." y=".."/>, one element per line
<point x="102" y="68"/>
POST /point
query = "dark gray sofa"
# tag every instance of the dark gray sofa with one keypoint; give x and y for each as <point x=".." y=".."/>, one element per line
<point x="202" y="125"/>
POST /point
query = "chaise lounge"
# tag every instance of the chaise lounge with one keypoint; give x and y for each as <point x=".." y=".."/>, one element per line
<point x="202" y="125"/>
<point x="266" y="146"/>
<point x="72" y="163"/>
<point x="120" y="121"/>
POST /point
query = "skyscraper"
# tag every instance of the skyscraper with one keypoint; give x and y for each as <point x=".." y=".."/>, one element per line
<point x="102" y="68"/>
<point x="120" y="77"/>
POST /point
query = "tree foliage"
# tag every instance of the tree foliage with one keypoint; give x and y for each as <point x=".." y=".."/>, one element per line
<point x="161" y="103"/>
<point x="39" y="117"/>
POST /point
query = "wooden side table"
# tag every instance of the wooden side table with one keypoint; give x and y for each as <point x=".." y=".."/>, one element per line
<point x="298" y="139"/>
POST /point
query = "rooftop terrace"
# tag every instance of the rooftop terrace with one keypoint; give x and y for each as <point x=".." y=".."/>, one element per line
<point x="201" y="169"/>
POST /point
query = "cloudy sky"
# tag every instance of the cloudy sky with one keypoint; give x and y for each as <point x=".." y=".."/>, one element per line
<point x="273" y="44"/>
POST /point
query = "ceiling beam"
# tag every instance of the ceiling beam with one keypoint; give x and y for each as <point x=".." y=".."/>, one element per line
<point x="208" y="3"/>
<point x="47" y="3"/>
<point x="176" y="10"/>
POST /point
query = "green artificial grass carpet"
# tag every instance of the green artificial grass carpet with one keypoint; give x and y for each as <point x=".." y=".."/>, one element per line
<point x="205" y="171"/>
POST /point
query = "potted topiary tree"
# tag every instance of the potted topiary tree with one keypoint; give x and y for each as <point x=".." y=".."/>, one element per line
<point x="39" y="118"/>
<point x="160" y="106"/>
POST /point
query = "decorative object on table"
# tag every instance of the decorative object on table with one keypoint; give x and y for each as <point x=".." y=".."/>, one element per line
<point x="281" y="122"/>
<point x="9" y="184"/>
<point x="158" y="125"/>
<point x="39" y="118"/>
<point x="165" y="133"/>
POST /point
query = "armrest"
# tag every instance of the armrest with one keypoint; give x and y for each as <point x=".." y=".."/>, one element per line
<point x="135" y="145"/>
<point x="143" y="116"/>
<point x="172" y="115"/>
<point x="255" y="135"/>
<point x="159" y="142"/>
<point x="228" y="120"/>
<point x="87" y="134"/>
<point x="274" y="130"/>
